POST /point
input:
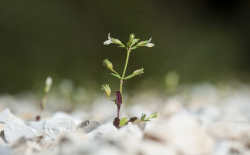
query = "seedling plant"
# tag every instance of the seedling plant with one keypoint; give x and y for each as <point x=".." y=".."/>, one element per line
<point x="48" y="84"/>
<point x="131" y="45"/>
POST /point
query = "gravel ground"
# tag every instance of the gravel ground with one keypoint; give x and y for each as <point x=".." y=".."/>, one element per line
<point x="202" y="119"/>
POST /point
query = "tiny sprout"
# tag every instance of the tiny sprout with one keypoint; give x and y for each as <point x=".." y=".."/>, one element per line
<point x="118" y="96"/>
<point x="48" y="84"/>
<point x="172" y="82"/>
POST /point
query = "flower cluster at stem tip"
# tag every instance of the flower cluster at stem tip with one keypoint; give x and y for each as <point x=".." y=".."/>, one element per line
<point x="132" y="41"/>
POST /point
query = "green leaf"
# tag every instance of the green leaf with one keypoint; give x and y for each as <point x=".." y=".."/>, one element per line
<point x="123" y="121"/>
<point x="115" y="75"/>
<point x="133" y="119"/>
<point x="122" y="46"/>
<point x="135" y="47"/>
<point x="129" y="77"/>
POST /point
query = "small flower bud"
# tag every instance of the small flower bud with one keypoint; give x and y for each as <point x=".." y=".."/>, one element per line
<point x="142" y="43"/>
<point x="108" y="64"/>
<point x="154" y="115"/>
<point x="131" y="38"/>
<point x="48" y="84"/>
<point x="112" y="40"/>
<point x="138" y="71"/>
<point x="145" y="43"/>
<point x="135" y="41"/>
<point x="106" y="89"/>
<point x="116" y="41"/>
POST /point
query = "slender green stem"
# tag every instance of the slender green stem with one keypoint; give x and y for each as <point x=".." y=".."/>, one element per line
<point x="42" y="106"/>
<point x="126" y="64"/>
<point x="125" y="67"/>
<point x="121" y="81"/>
<point x="44" y="101"/>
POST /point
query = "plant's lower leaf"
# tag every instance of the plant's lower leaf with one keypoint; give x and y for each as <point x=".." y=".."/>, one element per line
<point x="123" y="121"/>
<point x="116" y="122"/>
<point x="133" y="119"/>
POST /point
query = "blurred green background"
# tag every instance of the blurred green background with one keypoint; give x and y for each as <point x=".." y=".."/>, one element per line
<point x="199" y="40"/>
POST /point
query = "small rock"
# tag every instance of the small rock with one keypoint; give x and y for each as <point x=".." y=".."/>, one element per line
<point x="25" y="146"/>
<point x="231" y="130"/>
<point x="3" y="141"/>
<point x="57" y="127"/>
<point x="106" y="131"/>
<point x="2" y="126"/>
<point x="184" y="133"/>
<point x="225" y="147"/>
<point x="4" y="150"/>
<point x="7" y="115"/>
<point x="131" y="131"/>
<point x="38" y="126"/>
<point x="172" y="106"/>
<point x="83" y="124"/>
<point x="14" y="130"/>
<point x="88" y="126"/>
<point x="153" y="148"/>
<point x="73" y="145"/>
<point x="60" y="114"/>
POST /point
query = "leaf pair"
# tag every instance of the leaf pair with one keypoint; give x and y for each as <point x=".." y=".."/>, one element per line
<point x="124" y="121"/>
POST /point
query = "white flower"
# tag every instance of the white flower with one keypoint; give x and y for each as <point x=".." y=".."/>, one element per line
<point x="48" y="81"/>
<point x="109" y="41"/>
<point x="149" y="44"/>
<point x="48" y="84"/>
<point x="112" y="40"/>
